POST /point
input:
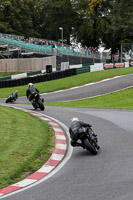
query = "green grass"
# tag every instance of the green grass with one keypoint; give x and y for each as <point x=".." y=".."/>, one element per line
<point x="68" y="82"/>
<point x="117" y="100"/>
<point x="24" y="147"/>
<point x="25" y="144"/>
<point x="5" y="74"/>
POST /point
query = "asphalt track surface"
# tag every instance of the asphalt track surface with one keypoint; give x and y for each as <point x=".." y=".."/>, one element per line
<point x="107" y="176"/>
<point x="94" y="89"/>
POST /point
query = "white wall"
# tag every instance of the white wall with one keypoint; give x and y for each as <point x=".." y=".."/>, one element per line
<point x="27" y="64"/>
<point x="96" y="67"/>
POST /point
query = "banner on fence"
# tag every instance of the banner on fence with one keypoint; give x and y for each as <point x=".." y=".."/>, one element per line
<point x="108" y="66"/>
<point x="119" y="65"/>
<point x="131" y="64"/>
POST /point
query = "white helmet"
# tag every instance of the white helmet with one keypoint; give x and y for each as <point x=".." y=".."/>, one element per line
<point x="30" y="84"/>
<point x="74" y="119"/>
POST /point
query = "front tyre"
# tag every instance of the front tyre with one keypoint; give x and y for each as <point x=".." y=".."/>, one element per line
<point x="89" y="147"/>
<point x="40" y="104"/>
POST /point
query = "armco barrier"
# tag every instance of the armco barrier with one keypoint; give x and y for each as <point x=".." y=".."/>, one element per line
<point x="37" y="79"/>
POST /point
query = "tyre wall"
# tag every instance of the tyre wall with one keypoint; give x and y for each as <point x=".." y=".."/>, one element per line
<point x="38" y="78"/>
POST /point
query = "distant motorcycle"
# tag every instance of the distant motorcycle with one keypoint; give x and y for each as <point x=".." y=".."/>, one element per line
<point x="10" y="99"/>
<point x="37" y="101"/>
<point x="89" y="140"/>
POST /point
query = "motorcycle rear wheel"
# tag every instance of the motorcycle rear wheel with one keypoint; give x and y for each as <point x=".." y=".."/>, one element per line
<point x="40" y="104"/>
<point x="34" y="106"/>
<point x="7" y="101"/>
<point x="89" y="147"/>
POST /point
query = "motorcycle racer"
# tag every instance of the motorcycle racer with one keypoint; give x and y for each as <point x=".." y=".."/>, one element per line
<point x="76" y="129"/>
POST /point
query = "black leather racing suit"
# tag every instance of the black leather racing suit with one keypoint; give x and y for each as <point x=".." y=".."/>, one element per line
<point x="30" y="92"/>
<point x="74" y="130"/>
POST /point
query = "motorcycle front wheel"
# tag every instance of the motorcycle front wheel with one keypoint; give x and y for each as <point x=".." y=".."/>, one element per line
<point x="90" y="147"/>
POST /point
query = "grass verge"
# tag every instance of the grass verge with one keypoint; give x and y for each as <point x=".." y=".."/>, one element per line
<point x="26" y="142"/>
<point x="68" y="82"/>
<point x="5" y="74"/>
<point x="117" y="100"/>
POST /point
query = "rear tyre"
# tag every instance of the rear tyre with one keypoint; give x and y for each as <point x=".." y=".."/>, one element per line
<point x="34" y="106"/>
<point x="89" y="147"/>
<point x="40" y="104"/>
<point x="7" y="101"/>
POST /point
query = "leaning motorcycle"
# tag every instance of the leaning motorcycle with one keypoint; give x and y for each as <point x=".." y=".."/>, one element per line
<point x="10" y="99"/>
<point x="89" y="140"/>
<point x="37" y="102"/>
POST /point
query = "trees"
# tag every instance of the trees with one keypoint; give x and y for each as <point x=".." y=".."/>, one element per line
<point x="92" y="22"/>
<point x="4" y="23"/>
<point x="104" y="22"/>
<point x="20" y="17"/>
<point x="57" y="13"/>
<point x="120" y="26"/>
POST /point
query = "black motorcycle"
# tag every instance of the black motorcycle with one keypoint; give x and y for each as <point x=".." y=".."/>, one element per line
<point x="89" y="140"/>
<point x="37" y="101"/>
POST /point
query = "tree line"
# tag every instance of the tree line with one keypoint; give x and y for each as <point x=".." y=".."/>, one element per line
<point x="91" y="22"/>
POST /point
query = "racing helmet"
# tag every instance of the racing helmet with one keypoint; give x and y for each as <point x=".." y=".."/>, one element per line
<point x="75" y="119"/>
<point x="30" y="84"/>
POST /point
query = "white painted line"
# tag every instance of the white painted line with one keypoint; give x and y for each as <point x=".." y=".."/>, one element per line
<point x="43" y="118"/>
<point x="46" y="169"/>
<point x="56" y="156"/>
<point x="74" y="87"/>
<point x="60" y="137"/>
<point x="61" y="146"/>
<point x="54" y="124"/>
<point x="24" y="182"/>
<point x="57" y="129"/>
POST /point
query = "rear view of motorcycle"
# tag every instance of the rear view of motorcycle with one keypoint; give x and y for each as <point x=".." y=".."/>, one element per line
<point x="37" y="102"/>
<point x="88" y="140"/>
